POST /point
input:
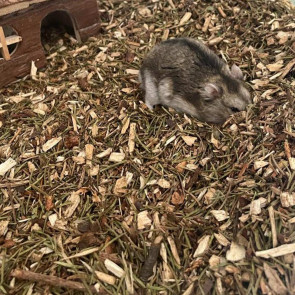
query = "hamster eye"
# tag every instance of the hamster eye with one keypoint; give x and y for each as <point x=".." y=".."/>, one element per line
<point x="234" y="110"/>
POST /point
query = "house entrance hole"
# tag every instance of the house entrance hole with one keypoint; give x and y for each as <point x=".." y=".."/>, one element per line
<point x="55" y="25"/>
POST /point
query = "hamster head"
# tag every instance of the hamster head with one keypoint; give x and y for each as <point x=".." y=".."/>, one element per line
<point x="224" y="95"/>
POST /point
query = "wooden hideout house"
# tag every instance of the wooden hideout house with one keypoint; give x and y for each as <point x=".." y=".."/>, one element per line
<point x="21" y="22"/>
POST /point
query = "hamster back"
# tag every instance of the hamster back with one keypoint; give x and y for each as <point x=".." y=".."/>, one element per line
<point x="186" y="75"/>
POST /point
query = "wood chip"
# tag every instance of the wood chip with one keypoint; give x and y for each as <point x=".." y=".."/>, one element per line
<point x="180" y="166"/>
<point x="274" y="280"/>
<point x="273" y="226"/>
<point x="209" y="195"/>
<point x="94" y="130"/>
<point x="220" y="10"/>
<point x="3" y="227"/>
<point x="222" y="240"/>
<point x="33" y="70"/>
<point x="255" y="207"/>
<point x="111" y="280"/>
<point x="114" y="268"/>
<point x="116" y="157"/>
<point x="173" y="249"/>
<point x="292" y="163"/>
<point x="84" y="253"/>
<point x="79" y="50"/>
<point x="220" y="215"/>
<point x="74" y="201"/>
<point x="219" y="286"/>
<point x="171" y="4"/>
<point x="132" y="72"/>
<point x="129" y="280"/>
<point x="143" y="220"/>
<point x="165" y="34"/>
<point x="260" y="164"/>
<point x="131" y="141"/>
<point x="215" y="141"/>
<point x="275" y="66"/>
<point x="125" y="125"/>
<point x="276" y="252"/>
<point x="232" y="269"/>
<point x="94" y="170"/>
<point x="52" y="219"/>
<point x="89" y="148"/>
<point x="283" y="37"/>
<point x="51" y="143"/>
<point x="144" y="11"/>
<point x="79" y="159"/>
<point x="5" y="151"/>
<point x="236" y="252"/>
<point x="185" y="18"/>
<point x="105" y="153"/>
<point x="167" y="274"/>
<point x="215" y="41"/>
<point x="206" y="23"/>
<point x="287" y="199"/>
<point x="171" y="139"/>
<point x="215" y="261"/>
<point x="203" y="246"/>
<point x="163" y="183"/>
<point x="189" y="140"/>
<point x="287" y="68"/>
<point x="189" y="290"/>
<point x="6" y="166"/>
<point x="120" y="186"/>
<point x="177" y="198"/>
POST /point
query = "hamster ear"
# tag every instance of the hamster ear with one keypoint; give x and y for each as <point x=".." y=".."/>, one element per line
<point x="212" y="91"/>
<point x="236" y="72"/>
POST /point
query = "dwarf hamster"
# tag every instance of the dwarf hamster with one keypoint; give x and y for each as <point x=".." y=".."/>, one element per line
<point x="184" y="74"/>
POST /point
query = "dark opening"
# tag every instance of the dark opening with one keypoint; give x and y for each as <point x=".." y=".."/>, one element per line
<point x="55" y="25"/>
<point x="9" y="31"/>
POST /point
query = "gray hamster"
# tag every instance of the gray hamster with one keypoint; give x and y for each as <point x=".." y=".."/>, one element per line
<point x="184" y="74"/>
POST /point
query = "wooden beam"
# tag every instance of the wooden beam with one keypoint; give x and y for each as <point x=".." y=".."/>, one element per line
<point x="4" y="49"/>
<point x="12" y="40"/>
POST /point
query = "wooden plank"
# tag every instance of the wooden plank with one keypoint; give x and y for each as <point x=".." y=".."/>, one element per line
<point x="20" y="65"/>
<point x="4" y="48"/>
<point x="8" y="7"/>
<point x="12" y="40"/>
